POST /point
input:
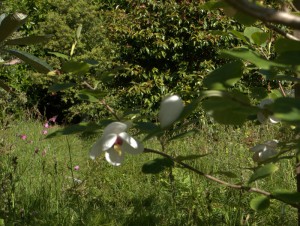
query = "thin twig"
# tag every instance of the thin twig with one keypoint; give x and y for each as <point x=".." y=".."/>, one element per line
<point x="217" y="180"/>
<point x="266" y="14"/>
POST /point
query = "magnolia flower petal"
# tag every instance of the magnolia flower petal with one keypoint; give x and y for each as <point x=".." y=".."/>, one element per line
<point x="265" y="102"/>
<point x="170" y="109"/>
<point x="130" y="145"/>
<point x="115" y="127"/>
<point x="102" y="144"/>
<point x="113" y="157"/>
<point x="258" y="148"/>
<point x="273" y="119"/>
<point x="272" y="144"/>
<point x="266" y="154"/>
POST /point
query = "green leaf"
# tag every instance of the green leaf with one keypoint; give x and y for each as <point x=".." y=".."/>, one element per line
<point x="10" y="24"/>
<point x="228" y="108"/>
<point x="224" y="77"/>
<point x="97" y="94"/>
<point x="60" y="55"/>
<point x="189" y="157"/>
<point x="262" y="172"/>
<point x="157" y="165"/>
<point x="260" y="38"/>
<point x="60" y="86"/>
<point x="78" y="31"/>
<point x="239" y="35"/>
<point x="286" y="45"/>
<point x="189" y="108"/>
<point x="31" y="40"/>
<point x="244" y="19"/>
<point x="287" y="109"/>
<point x="250" y="56"/>
<point x="146" y="126"/>
<point x="288" y="58"/>
<point x="249" y="31"/>
<point x="38" y="64"/>
<point x="287" y="196"/>
<point x="260" y="203"/>
<point x="258" y="93"/>
<point x="87" y="97"/>
<point x="75" y="67"/>
<point x="78" y="128"/>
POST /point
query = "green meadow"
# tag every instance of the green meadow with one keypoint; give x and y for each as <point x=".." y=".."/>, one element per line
<point x="53" y="181"/>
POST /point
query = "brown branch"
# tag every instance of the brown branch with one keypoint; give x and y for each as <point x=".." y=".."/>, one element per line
<point x="266" y="14"/>
<point x="281" y="32"/>
<point x="217" y="180"/>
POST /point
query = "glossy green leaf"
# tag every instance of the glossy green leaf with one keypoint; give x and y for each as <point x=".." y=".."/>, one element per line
<point x="287" y="196"/>
<point x="146" y="126"/>
<point x="189" y="109"/>
<point x="157" y="165"/>
<point x="239" y="35"/>
<point x="60" y="55"/>
<point x="10" y="24"/>
<point x="244" y="19"/>
<point x="79" y="68"/>
<point x="78" y="31"/>
<point x="262" y="172"/>
<point x="30" y="40"/>
<point x="260" y="38"/>
<point x="287" y="109"/>
<point x="38" y="64"/>
<point x="224" y="77"/>
<point x="289" y="58"/>
<point x="250" y="56"/>
<point x="249" y="31"/>
<point x="286" y="45"/>
<point x="229" y="109"/>
<point x="98" y="94"/>
<point x="258" y="93"/>
<point x="60" y="86"/>
<point x="87" y="96"/>
<point x="260" y="203"/>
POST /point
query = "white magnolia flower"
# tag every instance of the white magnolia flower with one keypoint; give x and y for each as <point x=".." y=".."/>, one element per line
<point x="115" y="142"/>
<point x="264" y="151"/>
<point x="262" y="116"/>
<point x="170" y="109"/>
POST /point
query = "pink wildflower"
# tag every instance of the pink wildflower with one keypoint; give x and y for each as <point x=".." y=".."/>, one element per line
<point x="76" y="168"/>
<point x="53" y="119"/>
<point x="46" y="125"/>
<point x="23" y="137"/>
<point x="45" y="132"/>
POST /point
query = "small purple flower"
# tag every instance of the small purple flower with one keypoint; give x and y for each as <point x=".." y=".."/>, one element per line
<point x="76" y="168"/>
<point x="46" y="125"/>
<point x="23" y="137"/>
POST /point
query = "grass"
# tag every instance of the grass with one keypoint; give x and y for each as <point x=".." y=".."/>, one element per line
<point x="37" y="186"/>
